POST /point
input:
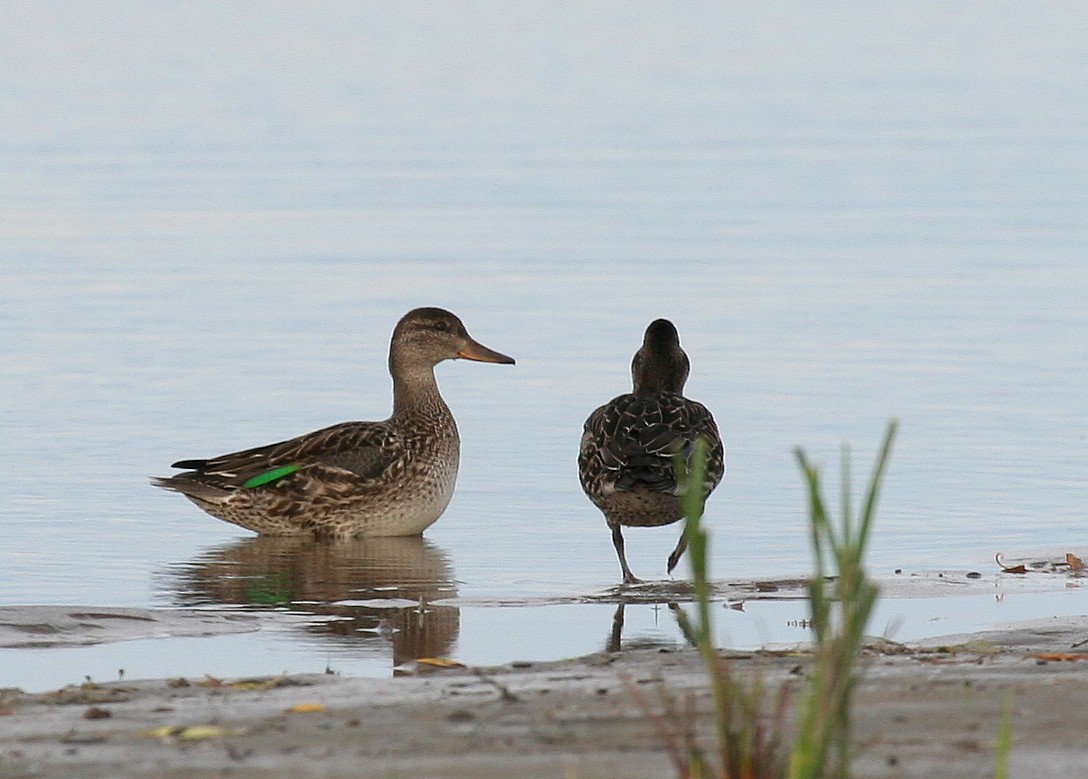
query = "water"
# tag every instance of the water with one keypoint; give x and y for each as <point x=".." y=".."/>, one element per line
<point x="211" y="219"/>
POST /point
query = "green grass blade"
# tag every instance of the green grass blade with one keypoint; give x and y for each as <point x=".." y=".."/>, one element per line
<point x="877" y="478"/>
<point x="1004" y="740"/>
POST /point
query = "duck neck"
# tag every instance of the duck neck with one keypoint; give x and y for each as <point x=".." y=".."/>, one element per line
<point x="415" y="389"/>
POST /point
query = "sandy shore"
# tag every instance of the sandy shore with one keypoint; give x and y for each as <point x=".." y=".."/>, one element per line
<point x="929" y="710"/>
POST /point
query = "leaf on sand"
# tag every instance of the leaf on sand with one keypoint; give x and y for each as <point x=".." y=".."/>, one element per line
<point x="439" y="662"/>
<point x="306" y="708"/>
<point x="1061" y="656"/>
<point x="200" y="732"/>
<point x="261" y="683"/>
<point x="1009" y="568"/>
<point x="1071" y="562"/>
<point x="191" y="733"/>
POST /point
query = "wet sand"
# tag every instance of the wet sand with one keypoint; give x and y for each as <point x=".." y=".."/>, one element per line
<point x="930" y="710"/>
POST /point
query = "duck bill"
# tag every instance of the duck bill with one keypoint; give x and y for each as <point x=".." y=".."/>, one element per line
<point x="474" y="350"/>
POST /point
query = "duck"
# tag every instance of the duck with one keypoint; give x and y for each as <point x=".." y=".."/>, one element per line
<point x="627" y="456"/>
<point x="354" y="479"/>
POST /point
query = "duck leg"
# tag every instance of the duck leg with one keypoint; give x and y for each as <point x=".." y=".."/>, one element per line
<point x="617" y="541"/>
<point x="681" y="547"/>
<point x="615" y="637"/>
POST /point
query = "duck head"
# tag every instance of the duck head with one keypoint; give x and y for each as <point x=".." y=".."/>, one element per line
<point x="427" y="336"/>
<point x="660" y="365"/>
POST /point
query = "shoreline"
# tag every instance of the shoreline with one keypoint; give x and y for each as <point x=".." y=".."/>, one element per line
<point x="929" y="709"/>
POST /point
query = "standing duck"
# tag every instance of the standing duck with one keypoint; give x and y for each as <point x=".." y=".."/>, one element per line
<point x="390" y="478"/>
<point x="626" y="462"/>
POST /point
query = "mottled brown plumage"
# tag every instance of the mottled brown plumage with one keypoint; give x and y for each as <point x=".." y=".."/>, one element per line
<point x="389" y="478"/>
<point x="626" y="462"/>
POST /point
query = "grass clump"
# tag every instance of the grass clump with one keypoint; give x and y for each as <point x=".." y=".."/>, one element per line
<point x="839" y="614"/>
<point x="752" y="739"/>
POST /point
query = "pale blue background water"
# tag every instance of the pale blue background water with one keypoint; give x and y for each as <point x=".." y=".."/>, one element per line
<point x="212" y="215"/>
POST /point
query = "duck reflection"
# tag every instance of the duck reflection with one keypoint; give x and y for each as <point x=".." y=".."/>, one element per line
<point x="615" y="641"/>
<point x="366" y="591"/>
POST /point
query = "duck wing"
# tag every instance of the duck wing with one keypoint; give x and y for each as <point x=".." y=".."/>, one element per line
<point x="363" y="450"/>
<point x="633" y="440"/>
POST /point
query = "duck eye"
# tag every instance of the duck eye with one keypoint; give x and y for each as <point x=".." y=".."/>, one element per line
<point x="442" y="327"/>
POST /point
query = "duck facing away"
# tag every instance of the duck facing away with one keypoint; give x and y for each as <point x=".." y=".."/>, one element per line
<point x="391" y="478"/>
<point x="626" y="462"/>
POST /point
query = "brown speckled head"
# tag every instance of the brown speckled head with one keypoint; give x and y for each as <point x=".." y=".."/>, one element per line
<point x="427" y="336"/>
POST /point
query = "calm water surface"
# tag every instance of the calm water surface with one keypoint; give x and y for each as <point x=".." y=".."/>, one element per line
<point x="211" y="219"/>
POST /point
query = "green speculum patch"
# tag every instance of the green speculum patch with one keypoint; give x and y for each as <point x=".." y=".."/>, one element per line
<point x="268" y="477"/>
